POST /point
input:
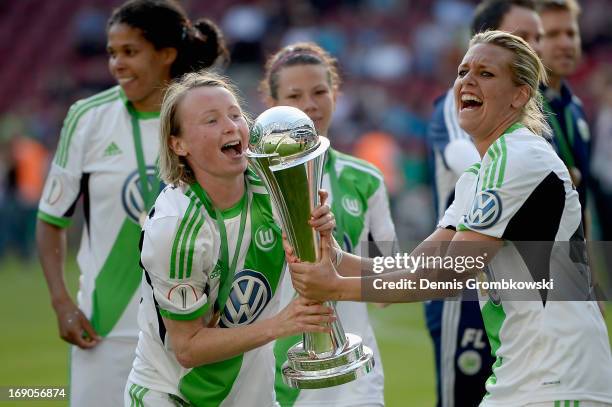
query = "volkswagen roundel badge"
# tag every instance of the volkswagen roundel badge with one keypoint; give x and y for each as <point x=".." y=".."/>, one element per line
<point x="248" y="297"/>
<point x="486" y="210"/>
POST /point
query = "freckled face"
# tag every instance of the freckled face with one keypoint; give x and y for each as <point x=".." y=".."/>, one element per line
<point x="214" y="133"/>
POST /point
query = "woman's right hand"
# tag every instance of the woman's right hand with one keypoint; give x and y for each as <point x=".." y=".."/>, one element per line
<point x="74" y="327"/>
<point x="303" y="315"/>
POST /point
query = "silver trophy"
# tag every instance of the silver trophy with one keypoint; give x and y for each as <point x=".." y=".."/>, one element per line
<point x="288" y="155"/>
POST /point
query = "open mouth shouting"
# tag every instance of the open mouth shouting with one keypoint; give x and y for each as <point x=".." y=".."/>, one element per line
<point x="470" y="102"/>
<point x="232" y="149"/>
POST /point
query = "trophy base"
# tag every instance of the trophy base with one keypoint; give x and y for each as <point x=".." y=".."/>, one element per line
<point x="305" y="371"/>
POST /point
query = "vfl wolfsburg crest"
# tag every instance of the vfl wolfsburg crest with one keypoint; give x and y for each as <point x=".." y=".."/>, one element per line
<point x="265" y="238"/>
<point x="469" y="362"/>
<point x="54" y="191"/>
<point x="255" y="134"/>
<point x="351" y="205"/>
<point x="248" y="297"/>
<point x="183" y="294"/>
<point x="486" y="210"/>
<point x="132" y="200"/>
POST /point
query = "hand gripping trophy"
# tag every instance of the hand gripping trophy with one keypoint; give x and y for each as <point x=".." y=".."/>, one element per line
<point x="288" y="156"/>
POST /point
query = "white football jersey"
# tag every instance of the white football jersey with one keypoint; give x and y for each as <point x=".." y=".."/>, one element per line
<point x="96" y="159"/>
<point x="181" y="247"/>
<point x="358" y="198"/>
<point x="546" y="349"/>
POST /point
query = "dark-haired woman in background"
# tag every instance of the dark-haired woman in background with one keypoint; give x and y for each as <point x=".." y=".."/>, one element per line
<point x="106" y="154"/>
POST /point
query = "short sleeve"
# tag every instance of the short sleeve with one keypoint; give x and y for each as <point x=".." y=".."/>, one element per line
<point x="463" y="198"/>
<point x="520" y="196"/>
<point x="63" y="185"/>
<point x="177" y="255"/>
<point x="451" y="217"/>
<point x="381" y="222"/>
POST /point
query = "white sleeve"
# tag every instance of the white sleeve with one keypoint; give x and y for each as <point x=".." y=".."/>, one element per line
<point x="451" y="217"/>
<point x="178" y="259"/>
<point x="380" y="222"/>
<point x="460" y="154"/>
<point x="463" y="198"/>
<point x="63" y="184"/>
<point x="496" y="205"/>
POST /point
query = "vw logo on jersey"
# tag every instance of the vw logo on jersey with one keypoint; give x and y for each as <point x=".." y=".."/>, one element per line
<point x="248" y="297"/>
<point x="265" y="238"/>
<point x="486" y="210"/>
<point x="132" y="200"/>
<point x="351" y="205"/>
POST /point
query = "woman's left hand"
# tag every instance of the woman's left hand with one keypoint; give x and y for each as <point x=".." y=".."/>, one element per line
<point x="322" y="219"/>
<point x="318" y="281"/>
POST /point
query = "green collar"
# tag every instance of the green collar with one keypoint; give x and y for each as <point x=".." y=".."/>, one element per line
<point x="136" y="113"/>
<point x="514" y="127"/>
<point x="210" y="208"/>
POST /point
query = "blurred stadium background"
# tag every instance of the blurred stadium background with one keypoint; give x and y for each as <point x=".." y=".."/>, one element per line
<point x="396" y="57"/>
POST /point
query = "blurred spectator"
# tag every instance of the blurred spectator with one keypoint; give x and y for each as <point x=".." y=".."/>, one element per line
<point x="601" y="164"/>
<point x="382" y="150"/>
<point x="90" y="31"/>
<point x="245" y="26"/>
<point x="22" y="171"/>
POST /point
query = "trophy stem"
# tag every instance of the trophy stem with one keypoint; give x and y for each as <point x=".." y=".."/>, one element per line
<point x="326" y="344"/>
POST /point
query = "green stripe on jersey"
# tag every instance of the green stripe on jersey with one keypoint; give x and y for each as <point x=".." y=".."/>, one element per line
<point x="474" y="168"/>
<point x="502" y="169"/>
<point x="209" y="385"/>
<point x="118" y="279"/>
<point x="181" y="258"/>
<point x="54" y="220"/>
<point x="190" y="232"/>
<point x="184" y="317"/>
<point x="493" y="317"/>
<point x="497" y="166"/>
<point x="490" y="171"/>
<point x="285" y="395"/>
<point x="137" y="394"/>
<point x="131" y="393"/>
<point x="74" y="115"/>
<point x="177" y="238"/>
<point x="252" y="177"/>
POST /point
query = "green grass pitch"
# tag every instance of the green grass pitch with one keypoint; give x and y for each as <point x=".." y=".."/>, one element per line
<point x="33" y="355"/>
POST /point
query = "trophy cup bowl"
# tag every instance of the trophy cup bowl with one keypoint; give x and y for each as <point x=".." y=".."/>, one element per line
<point x="288" y="155"/>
